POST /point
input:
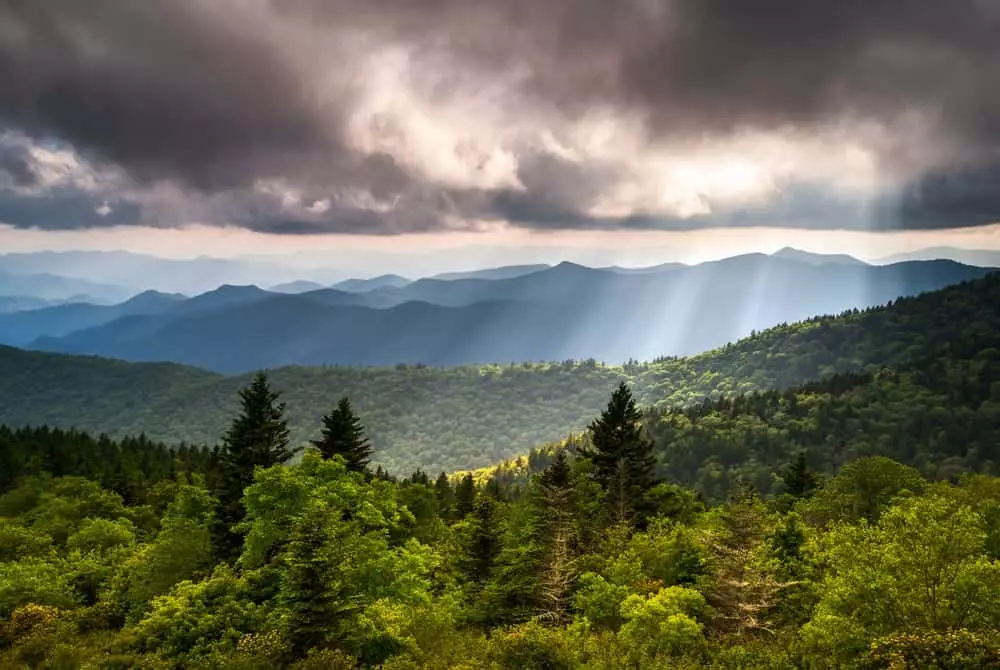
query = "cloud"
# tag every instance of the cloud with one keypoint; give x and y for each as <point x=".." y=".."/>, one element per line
<point x="394" y="116"/>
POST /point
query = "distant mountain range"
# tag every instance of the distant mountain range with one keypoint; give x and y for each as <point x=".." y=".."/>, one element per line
<point x="980" y="257"/>
<point x="461" y="417"/>
<point x="530" y="313"/>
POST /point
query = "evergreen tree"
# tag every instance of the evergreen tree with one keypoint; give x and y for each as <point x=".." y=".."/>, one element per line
<point x="485" y="539"/>
<point x="315" y="600"/>
<point x="258" y="437"/>
<point x="344" y="435"/>
<point x="623" y="457"/>
<point x="465" y="497"/>
<point x="800" y="480"/>
<point x="445" y="495"/>
<point x="558" y="538"/>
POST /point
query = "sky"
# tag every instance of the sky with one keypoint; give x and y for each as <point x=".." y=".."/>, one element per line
<point x="640" y="129"/>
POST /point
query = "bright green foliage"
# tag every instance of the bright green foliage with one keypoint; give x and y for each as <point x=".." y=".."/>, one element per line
<point x="663" y="625"/>
<point x="600" y="601"/>
<point x="198" y="618"/>
<point x="34" y="580"/>
<point x="102" y="535"/>
<point x="344" y="436"/>
<point x="862" y="489"/>
<point x="921" y="568"/>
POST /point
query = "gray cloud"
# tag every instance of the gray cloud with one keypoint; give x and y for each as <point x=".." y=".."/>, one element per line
<point x="16" y="163"/>
<point x="214" y="98"/>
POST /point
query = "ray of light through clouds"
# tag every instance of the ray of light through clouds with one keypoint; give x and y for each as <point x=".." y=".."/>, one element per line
<point x="632" y="132"/>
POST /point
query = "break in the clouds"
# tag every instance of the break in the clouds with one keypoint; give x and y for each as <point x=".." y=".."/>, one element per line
<point x="395" y="116"/>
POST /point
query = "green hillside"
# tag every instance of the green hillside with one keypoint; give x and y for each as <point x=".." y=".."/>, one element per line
<point x="465" y="417"/>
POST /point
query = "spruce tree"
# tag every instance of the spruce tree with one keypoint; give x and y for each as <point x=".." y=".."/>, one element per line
<point x="623" y="457"/>
<point x="315" y="600"/>
<point x="445" y="495"/>
<point x="258" y="437"/>
<point x="799" y="479"/>
<point x="485" y="541"/>
<point x="465" y="497"/>
<point x="344" y="435"/>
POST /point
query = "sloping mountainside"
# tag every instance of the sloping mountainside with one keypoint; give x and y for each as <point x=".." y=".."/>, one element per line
<point x="565" y="312"/>
<point x="447" y="419"/>
<point x="940" y="415"/>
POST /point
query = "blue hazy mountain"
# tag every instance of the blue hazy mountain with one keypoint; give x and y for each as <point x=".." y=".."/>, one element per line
<point x="51" y="287"/>
<point x="985" y="258"/>
<point x="567" y="311"/>
<point x="297" y="286"/>
<point x="504" y="272"/>
<point x="364" y="285"/>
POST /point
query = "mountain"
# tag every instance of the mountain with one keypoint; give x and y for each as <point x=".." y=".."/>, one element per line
<point x="505" y="272"/>
<point x="565" y="312"/>
<point x="464" y="417"/>
<point x="47" y="286"/>
<point x="20" y="303"/>
<point x="646" y="270"/>
<point x="985" y="258"/>
<point x="363" y="285"/>
<point x="58" y="320"/>
<point x="793" y="254"/>
<point x="299" y="286"/>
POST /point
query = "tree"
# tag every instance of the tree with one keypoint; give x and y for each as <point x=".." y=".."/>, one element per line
<point x="343" y="435"/>
<point x="799" y="479"/>
<point x="258" y="437"/>
<point x="623" y="457"/>
<point x="465" y="496"/>
<point x="484" y="541"/>
<point x="314" y="598"/>
<point x="557" y="525"/>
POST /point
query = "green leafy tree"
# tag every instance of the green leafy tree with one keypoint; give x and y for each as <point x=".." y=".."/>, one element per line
<point x="258" y="437"/>
<point x="922" y="568"/>
<point x="623" y="457"/>
<point x="344" y="436"/>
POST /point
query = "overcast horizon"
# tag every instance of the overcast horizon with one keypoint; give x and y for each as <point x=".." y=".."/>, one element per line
<point x="703" y="127"/>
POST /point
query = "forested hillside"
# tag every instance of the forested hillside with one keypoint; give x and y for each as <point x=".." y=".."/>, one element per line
<point x="456" y="418"/>
<point x="231" y="560"/>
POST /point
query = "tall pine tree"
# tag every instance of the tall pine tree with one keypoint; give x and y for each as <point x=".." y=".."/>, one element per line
<point x="344" y="435"/>
<point x="258" y="437"/>
<point x="623" y="458"/>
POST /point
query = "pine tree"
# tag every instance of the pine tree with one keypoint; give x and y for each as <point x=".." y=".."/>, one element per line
<point x="344" y="435"/>
<point x="315" y="600"/>
<point x="799" y="479"/>
<point x="445" y="495"/>
<point x="258" y="437"/>
<point x="465" y="497"/>
<point x="623" y="458"/>
<point x="485" y="540"/>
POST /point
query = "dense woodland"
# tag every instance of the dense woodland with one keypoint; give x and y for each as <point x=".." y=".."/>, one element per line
<point x="129" y="555"/>
<point x="468" y="417"/>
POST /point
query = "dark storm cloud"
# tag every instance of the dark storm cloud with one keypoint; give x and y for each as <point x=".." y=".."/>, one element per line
<point x="163" y="89"/>
<point x="66" y="209"/>
<point x="16" y="163"/>
<point x="218" y="95"/>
